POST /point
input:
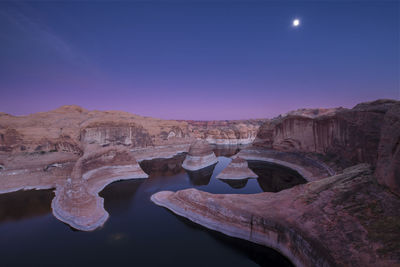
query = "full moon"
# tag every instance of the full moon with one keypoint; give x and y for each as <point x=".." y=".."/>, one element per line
<point x="296" y="22"/>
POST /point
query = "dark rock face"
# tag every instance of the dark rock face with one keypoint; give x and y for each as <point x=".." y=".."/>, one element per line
<point x="388" y="165"/>
<point x="351" y="135"/>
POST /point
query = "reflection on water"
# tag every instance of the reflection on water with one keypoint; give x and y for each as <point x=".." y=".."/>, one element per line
<point x="261" y="255"/>
<point x="120" y="195"/>
<point x="201" y="177"/>
<point x="164" y="167"/>
<point x="25" y="204"/>
<point x="226" y="150"/>
<point x="237" y="183"/>
<point x="138" y="232"/>
<point x="274" y="178"/>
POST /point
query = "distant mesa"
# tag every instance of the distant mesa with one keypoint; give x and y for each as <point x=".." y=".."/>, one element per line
<point x="200" y="155"/>
<point x="238" y="169"/>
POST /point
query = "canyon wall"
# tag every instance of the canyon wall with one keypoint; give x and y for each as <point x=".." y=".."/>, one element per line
<point x="74" y="129"/>
<point x="369" y="132"/>
<point x="235" y="132"/>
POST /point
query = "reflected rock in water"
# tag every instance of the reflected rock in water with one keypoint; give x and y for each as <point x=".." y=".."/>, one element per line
<point x="163" y="167"/>
<point x="22" y="205"/>
<point x="274" y="178"/>
<point x="202" y="176"/>
<point x="237" y="170"/>
<point x="118" y="196"/>
<point x="225" y="150"/>
<point x="237" y="184"/>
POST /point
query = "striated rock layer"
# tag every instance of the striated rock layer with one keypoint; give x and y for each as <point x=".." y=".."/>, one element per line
<point x="236" y="170"/>
<point x="200" y="155"/>
<point x="343" y="220"/>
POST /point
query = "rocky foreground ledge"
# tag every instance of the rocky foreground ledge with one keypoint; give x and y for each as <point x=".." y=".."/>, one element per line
<point x="347" y="219"/>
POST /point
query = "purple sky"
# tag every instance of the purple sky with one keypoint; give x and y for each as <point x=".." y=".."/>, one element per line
<point x="197" y="59"/>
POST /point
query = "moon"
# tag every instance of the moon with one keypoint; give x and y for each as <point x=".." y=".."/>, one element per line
<point x="296" y="22"/>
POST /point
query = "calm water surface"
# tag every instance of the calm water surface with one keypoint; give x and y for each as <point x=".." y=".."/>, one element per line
<point x="137" y="233"/>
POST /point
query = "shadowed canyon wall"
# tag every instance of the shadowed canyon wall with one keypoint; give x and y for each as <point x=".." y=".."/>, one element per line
<point x="369" y="132"/>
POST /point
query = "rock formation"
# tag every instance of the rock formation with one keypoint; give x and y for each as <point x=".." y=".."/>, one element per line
<point x="77" y="202"/>
<point x="342" y="220"/>
<point x="237" y="169"/>
<point x="200" y="155"/>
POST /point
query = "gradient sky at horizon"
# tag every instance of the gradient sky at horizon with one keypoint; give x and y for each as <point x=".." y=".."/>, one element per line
<point x="203" y="60"/>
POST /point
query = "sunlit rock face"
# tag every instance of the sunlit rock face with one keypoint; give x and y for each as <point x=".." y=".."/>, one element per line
<point x="77" y="202"/>
<point x="343" y="220"/>
<point x="239" y="132"/>
<point x="116" y="134"/>
<point x="200" y="155"/>
<point x="72" y="128"/>
<point x="236" y="170"/>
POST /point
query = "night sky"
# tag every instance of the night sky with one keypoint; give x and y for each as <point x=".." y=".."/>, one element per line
<point x="197" y="60"/>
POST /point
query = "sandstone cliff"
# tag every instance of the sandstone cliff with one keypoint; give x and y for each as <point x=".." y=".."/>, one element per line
<point x="369" y="132"/>
<point x="73" y="129"/>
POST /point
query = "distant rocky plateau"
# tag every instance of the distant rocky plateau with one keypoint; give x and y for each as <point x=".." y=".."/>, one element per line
<point x="347" y="214"/>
